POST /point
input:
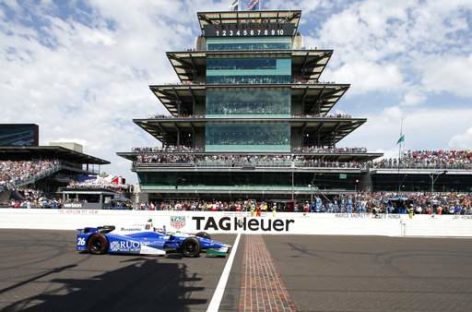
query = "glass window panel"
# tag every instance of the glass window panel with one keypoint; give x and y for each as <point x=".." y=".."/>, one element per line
<point x="248" y="70"/>
<point x="280" y="65"/>
<point x="241" y="137"/>
<point x="243" y="102"/>
<point x="248" y="79"/>
<point x="228" y="44"/>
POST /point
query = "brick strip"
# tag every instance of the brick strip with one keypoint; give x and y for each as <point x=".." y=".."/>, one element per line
<point x="262" y="288"/>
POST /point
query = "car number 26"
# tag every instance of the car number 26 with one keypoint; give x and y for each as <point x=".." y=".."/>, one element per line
<point x="80" y="241"/>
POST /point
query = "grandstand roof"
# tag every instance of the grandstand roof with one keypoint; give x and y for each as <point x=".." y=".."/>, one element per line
<point x="317" y="98"/>
<point x="308" y="63"/>
<point x="47" y="152"/>
<point x="330" y="130"/>
<point x="253" y="17"/>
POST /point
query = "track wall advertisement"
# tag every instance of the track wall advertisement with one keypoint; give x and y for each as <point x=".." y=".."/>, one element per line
<point x="232" y="222"/>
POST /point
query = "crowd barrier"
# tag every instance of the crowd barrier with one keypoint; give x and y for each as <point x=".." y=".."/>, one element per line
<point x="234" y="222"/>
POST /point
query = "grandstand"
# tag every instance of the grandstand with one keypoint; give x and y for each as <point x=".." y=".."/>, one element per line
<point x="430" y="171"/>
<point x="42" y="168"/>
<point x="250" y="118"/>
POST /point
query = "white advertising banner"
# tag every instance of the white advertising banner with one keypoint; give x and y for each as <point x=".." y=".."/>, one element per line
<point x="233" y="222"/>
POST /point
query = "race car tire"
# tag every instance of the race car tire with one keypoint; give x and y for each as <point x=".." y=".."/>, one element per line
<point x="203" y="235"/>
<point x="97" y="244"/>
<point x="191" y="247"/>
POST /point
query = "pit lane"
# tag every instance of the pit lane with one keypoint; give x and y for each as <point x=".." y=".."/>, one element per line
<point x="41" y="271"/>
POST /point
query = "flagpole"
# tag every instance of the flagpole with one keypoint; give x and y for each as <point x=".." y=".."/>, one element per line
<point x="235" y="5"/>
<point x="399" y="154"/>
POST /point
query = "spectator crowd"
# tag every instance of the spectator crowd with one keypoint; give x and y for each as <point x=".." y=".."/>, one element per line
<point x="199" y="116"/>
<point x="243" y="161"/>
<point x="304" y="149"/>
<point x="32" y="198"/>
<point x="17" y="171"/>
<point x="440" y="159"/>
<point x="374" y="203"/>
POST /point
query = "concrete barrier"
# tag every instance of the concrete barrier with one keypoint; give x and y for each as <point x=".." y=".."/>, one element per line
<point x="232" y="222"/>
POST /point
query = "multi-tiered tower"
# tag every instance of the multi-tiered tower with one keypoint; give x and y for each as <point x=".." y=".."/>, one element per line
<point x="250" y="118"/>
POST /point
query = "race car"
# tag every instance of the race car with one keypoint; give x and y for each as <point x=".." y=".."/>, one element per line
<point x="104" y="239"/>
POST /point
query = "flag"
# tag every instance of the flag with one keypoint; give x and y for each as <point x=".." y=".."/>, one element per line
<point x="253" y="5"/>
<point x="401" y="139"/>
<point x="234" y="5"/>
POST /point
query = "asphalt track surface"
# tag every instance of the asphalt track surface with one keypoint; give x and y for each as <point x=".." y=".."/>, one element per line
<point x="40" y="271"/>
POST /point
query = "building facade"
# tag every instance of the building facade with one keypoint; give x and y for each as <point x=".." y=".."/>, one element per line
<point x="250" y="117"/>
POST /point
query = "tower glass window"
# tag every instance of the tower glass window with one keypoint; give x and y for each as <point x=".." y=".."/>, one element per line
<point x="231" y="44"/>
<point x="248" y="102"/>
<point x="241" y="137"/>
<point x="248" y="70"/>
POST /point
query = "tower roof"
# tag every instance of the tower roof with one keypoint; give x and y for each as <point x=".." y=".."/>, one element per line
<point x="253" y="17"/>
<point x="308" y="63"/>
<point x="316" y="98"/>
<point x="331" y="130"/>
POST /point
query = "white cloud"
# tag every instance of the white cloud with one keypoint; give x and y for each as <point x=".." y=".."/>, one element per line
<point x="307" y="7"/>
<point x="367" y="76"/>
<point x="90" y="80"/>
<point x="428" y="43"/>
<point x="93" y="80"/>
<point x="423" y="128"/>
<point x="413" y="97"/>
<point x="462" y="141"/>
<point x="448" y="74"/>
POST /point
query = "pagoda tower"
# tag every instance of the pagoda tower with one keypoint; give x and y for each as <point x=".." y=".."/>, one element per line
<point x="249" y="118"/>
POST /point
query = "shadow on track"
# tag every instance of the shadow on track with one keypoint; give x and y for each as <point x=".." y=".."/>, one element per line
<point x="57" y="270"/>
<point x="143" y="285"/>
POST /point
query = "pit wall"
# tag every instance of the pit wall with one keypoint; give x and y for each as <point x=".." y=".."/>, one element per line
<point x="232" y="222"/>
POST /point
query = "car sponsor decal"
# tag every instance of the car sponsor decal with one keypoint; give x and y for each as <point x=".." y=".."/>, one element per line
<point x="125" y="246"/>
<point x="131" y="229"/>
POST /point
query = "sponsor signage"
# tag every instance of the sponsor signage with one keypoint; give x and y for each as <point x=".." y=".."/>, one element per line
<point x="78" y="211"/>
<point x="177" y="222"/>
<point x="461" y="217"/>
<point x="73" y="205"/>
<point x="230" y="224"/>
<point x="366" y="215"/>
<point x="249" y="30"/>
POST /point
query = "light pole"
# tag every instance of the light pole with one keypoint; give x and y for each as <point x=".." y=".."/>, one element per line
<point x="293" y="177"/>
<point x="311" y="193"/>
<point x="435" y="178"/>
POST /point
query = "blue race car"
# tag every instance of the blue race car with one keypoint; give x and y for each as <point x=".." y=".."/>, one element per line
<point x="104" y="239"/>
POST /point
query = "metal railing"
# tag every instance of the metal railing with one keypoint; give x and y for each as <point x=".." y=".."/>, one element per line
<point x="30" y="179"/>
<point x="257" y="163"/>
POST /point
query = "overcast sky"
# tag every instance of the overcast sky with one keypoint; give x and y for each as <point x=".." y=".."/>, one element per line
<point x="81" y="69"/>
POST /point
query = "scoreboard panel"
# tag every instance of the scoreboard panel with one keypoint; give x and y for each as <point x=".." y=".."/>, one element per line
<point x="249" y="30"/>
<point x="19" y="135"/>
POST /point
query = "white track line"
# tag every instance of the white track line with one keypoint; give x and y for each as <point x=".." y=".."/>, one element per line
<point x="220" y="288"/>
